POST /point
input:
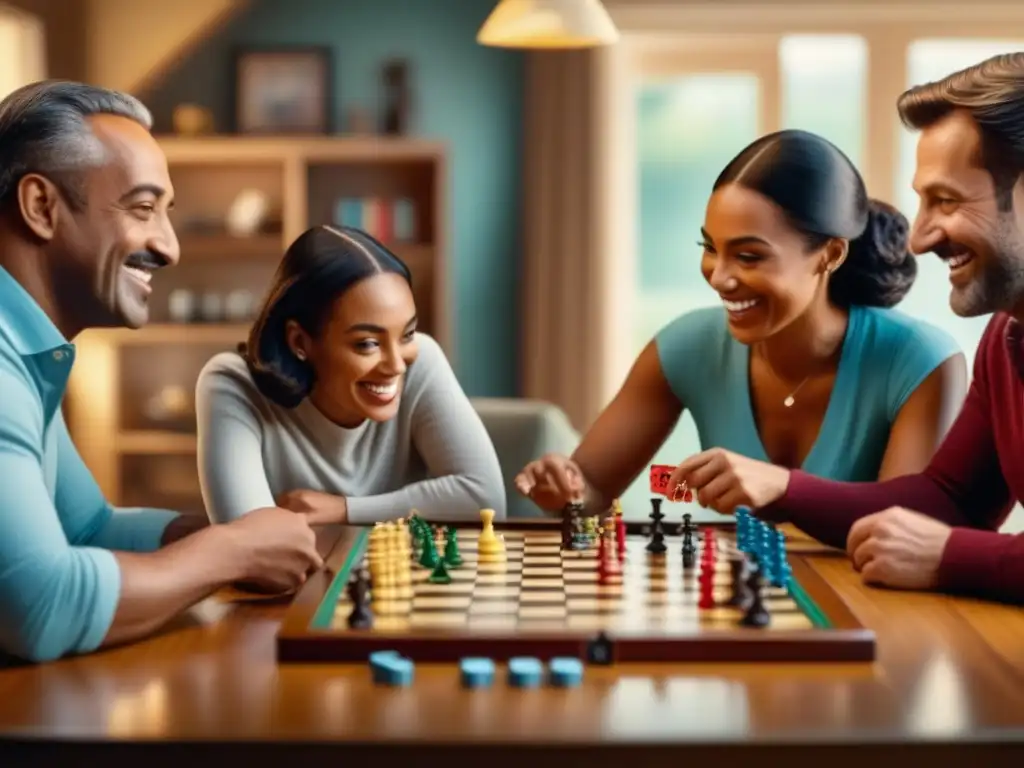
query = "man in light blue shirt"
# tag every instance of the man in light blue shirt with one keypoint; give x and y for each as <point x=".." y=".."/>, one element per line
<point x="84" y="200"/>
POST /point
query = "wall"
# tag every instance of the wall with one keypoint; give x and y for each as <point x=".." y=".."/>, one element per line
<point x="129" y="42"/>
<point x="467" y="95"/>
<point x="66" y="45"/>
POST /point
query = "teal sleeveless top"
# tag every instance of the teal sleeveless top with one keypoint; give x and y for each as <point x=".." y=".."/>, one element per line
<point x="885" y="357"/>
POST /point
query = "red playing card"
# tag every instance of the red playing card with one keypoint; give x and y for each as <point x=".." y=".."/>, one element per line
<point x="660" y="473"/>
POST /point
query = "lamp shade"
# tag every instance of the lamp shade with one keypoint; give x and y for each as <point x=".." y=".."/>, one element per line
<point x="548" y="24"/>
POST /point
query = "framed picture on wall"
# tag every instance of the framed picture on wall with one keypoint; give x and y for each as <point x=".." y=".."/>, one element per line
<point x="283" y="90"/>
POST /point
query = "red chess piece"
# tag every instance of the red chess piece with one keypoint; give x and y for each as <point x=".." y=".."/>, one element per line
<point x="608" y="569"/>
<point x="688" y="496"/>
<point x="620" y="536"/>
<point x="707" y="595"/>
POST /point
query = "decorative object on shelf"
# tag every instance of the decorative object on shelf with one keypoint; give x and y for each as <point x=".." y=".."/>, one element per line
<point x="192" y="120"/>
<point x="397" y="97"/>
<point x="239" y="306"/>
<point x="247" y="214"/>
<point x="170" y="408"/>
<point x="283" y="90"/>
<point x="389" y="220"/>
<point x="359" y="122"/>
<point x="548" y="24"/>
<point x="181" y="306"/>
<point x="211" y="308"/>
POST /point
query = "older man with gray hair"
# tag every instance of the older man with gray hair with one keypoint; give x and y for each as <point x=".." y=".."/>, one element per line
<point x="84" y="199"/>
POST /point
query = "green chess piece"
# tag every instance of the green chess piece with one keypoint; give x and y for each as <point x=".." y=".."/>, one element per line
<point x="429" y="556"/>
<point x="440" y="573"/>
<point x="451" y="547"/>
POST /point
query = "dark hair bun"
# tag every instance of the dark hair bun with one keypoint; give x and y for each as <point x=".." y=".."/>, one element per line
<point x="879" y="269"/>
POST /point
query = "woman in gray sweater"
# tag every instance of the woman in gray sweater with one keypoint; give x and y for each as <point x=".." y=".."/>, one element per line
<point x="337" y="407"/>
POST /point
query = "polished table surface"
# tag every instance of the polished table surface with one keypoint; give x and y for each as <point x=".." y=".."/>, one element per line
<point x="949" y="674"/>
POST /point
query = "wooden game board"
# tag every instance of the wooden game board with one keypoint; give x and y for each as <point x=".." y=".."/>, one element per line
<point x="546" y="602"/>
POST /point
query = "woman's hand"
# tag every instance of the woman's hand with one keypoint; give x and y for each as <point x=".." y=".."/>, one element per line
<point x="724" y="480"/>
<point x="551" y="482"/>
<point x="319" y="508"/>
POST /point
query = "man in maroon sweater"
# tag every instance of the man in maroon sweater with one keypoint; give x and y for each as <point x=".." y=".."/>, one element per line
<point x="938" y="529"/>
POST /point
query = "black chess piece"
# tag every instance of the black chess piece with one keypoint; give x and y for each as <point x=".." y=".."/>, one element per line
<point x="740" y="597"/>
<point x="570" y="515"/>
<point x="361" y="616"/>
<point x="656" y="545"/>
<point x="600" y="650"/>
<point x="757" y="614"/>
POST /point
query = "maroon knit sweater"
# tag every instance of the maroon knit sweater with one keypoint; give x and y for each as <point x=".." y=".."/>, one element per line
<point x="972" y="482"/>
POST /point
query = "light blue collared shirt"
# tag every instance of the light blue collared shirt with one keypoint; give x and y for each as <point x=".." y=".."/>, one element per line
<point x="59" y="580"/>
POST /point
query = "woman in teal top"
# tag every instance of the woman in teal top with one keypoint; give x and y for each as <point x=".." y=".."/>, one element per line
<point x="805" y="364"/>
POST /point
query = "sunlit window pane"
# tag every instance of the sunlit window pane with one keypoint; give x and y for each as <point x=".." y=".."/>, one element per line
<point x="688" y="128"/>
<point x="823" y="88"/>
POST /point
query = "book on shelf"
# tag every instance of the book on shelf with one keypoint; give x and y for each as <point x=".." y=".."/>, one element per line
<point x="390" y="220"/>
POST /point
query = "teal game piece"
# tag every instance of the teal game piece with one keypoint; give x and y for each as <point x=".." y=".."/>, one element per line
<point x="525" y="672"/>
<point x="476" y="672"/>
<point x="565" y="672"/>
<point x="389" y="668"/>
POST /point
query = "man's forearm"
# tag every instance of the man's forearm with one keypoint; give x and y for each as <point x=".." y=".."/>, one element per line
<point x="157" y="586"/>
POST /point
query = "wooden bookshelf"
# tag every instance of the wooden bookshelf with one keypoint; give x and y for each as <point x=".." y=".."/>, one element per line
<point x="130" y="405"/>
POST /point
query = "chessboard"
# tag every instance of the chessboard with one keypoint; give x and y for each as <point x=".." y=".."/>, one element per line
<point x="647" y="593"/>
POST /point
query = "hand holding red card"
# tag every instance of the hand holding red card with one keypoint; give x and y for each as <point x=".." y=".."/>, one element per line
<point x="660" y="474"/>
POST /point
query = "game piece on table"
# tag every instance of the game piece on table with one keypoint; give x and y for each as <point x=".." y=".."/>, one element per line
<point x="742" y="515"/>
<point x="525" y="672"/>
<point x="656" y="545"/>
<point x="572" y="512"/>
<point x="590" y="530"/>
<point x="600" y="650"/>
<point x="609" y="569"/>
<point x="395" y="671"/>
<point x="440" y="573"/>
<point x="452" y="556"/>
<point x="565" y="672"/>
<point x="707" y="594"/>
<point x="428" y="554"/>
<point x="782" y="570"/>
<point x="476" y="672"/>
<point x="490" y="548"/>
<point x="580" y="541"/>
<point x="361" y="616"/>
<point x="757" y="614"/>
<point x="380" y="657"/>
<point x="739" y="597"/>
<point x="620" y="529"/>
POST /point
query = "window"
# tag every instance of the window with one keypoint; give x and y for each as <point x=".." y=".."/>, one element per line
<point x="929" y="60"/>
<point x="688" y="127"/>
<point x="823" y="88"/>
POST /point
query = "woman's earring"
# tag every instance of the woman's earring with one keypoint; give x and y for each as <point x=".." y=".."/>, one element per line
<point x="301" y="355"/>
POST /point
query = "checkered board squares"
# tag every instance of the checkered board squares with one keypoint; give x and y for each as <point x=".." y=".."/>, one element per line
<point x="540" y="588"/>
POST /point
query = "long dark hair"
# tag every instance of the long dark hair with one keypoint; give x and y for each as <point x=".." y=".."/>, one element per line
<point x="824" y="196"/>
<point x="317" y="268"/>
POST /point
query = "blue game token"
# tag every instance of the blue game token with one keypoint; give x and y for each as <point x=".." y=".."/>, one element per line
<point x="396" y="671"/>
<point x="565" y="672"/>
<point x="477" y="672"/>
<point x="525" y="672"/>
<point x="379" y="657"/>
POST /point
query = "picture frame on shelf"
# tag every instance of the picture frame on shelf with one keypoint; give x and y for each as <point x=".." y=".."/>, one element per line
<point x="283" y="90"/>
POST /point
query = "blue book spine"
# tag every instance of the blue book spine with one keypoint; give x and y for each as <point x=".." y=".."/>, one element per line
<point x="349" y="212"/>
<point x="404" y="220"/>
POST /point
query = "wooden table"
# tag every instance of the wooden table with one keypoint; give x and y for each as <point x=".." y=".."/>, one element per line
<point x="949" y="679"/>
